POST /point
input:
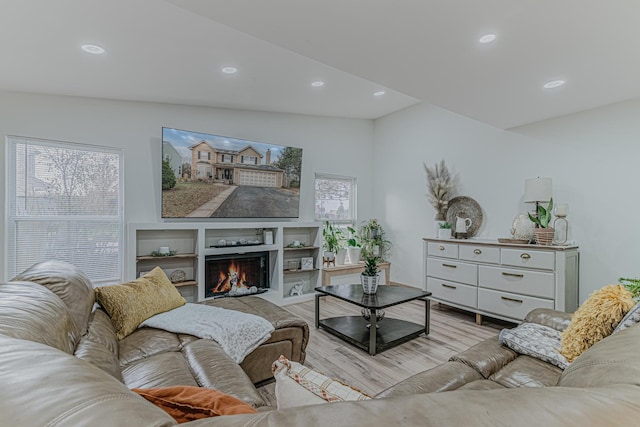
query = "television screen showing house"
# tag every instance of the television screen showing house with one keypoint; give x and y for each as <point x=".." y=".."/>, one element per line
<point x="213" y="176"/>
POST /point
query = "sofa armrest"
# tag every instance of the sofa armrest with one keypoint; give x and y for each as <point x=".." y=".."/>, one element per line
<point x="557" y="320"/>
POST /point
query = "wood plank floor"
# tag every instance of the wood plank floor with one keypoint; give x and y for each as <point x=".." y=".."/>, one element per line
<point x="451" y="332"/>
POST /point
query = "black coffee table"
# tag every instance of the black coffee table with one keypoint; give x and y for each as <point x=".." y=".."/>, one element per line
<point x="372" y="335"/>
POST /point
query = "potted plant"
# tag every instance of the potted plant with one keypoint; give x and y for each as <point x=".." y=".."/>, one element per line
<point x="373" y="241"/>
<point x="330" y="241"/>
<point x="370" y="276"/>
<point x="544" y="234"/>
<point x="353" y="246"/>
<point x="445" y="231"/>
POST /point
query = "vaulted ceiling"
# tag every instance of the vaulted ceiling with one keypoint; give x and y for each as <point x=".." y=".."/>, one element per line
<point x="412" y="50"/>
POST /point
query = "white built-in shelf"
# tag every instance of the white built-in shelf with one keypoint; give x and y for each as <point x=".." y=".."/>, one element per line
<point x="157" y="258"/>
<point x="239" y="249"/>
<point x="185" y="283"/>
<point x="302" y="248"/>
<point x="300" y="270"/>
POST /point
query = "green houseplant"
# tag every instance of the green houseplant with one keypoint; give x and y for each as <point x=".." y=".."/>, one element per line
<point x="331" y="240"/>
<point x="353" y="246"/>
<point x="445" y="231"/>
<point x="373" y="239"/>
<point x="370" y="276"/>
<point x="543" y="232"/>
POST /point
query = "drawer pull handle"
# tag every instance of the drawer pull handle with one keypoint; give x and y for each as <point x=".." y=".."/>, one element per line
<point x="525" y="256"/>
<point x="449" y="286"/>
<point x="450" y="265"/>
<point x="441" y="248"/>
<point x="477" y="251"/>
<point x="512" y="274"/>
<point x="512" y="299"/>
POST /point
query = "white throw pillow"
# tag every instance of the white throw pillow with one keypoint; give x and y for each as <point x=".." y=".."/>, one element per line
<point x="297" y="385"/>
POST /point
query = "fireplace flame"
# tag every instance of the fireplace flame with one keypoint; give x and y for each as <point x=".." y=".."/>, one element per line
<point x="232" y="279"/>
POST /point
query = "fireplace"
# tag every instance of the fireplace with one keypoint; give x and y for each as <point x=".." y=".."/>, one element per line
<point x="236" y="274"/>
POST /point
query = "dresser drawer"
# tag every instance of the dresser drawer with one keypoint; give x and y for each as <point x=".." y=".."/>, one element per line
<point x="453" y="292"/>
<point x="479" y="254"/>
<point x="452" y="270"/>
<point x="544" y="260"/>
<point x="509" y="305"/>
<point x="527" y="282"/>
<point x="445" y="250"/>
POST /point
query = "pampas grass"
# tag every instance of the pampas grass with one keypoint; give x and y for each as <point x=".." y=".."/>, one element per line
<point x="441" y="188"/>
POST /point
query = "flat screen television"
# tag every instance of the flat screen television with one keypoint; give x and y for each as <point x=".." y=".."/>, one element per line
<point x="214" y="176"/>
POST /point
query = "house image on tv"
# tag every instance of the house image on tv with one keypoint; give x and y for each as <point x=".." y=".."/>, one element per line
<point x="241" y="167"/>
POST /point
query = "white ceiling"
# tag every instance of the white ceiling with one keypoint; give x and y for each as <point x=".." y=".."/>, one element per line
<point x="416" y="50"/>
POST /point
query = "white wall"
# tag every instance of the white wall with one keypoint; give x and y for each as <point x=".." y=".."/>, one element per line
<point x="591" y="156"/>
<point x="329" y="145"/>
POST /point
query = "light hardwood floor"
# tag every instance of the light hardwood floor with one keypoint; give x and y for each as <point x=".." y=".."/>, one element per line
<point x="451" y="332"/>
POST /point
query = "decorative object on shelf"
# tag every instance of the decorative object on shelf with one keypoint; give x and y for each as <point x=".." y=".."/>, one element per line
<point x="373" y="240"/>
<point x="296" y="244"/>
<point x="164" y="250"/>
<point x="177" y="276"/>
<point x="441" y="187"/>
<point x="370" y="276"/>
<point x="267" y="237"/>
<point x="297" y="289"/>
<point x="466" y="208"/>
<point x="445" y="231"/>
<point x="306" y="263"/>
<point x="544" y="234"/>
<point x="161" y="254"/>
<point x="561" y="211"/>
<point x="522" y="228"/>
<point x="292" y="264"/>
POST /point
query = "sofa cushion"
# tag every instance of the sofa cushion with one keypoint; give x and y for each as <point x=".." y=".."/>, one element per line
<point x="614" y="360"/>
<point x="527" y="371"/>
<point x="99" y="346"/>
<point x="535" y="340"/>
<point x="131" y="303"/>
<point x="445" y="377"/>
<point x="69" y="283"/>
<point x="186" y="403"/>
<point x="595" y="319"/>
<point x="557" y="320"/>
<point x="32" y="312"/>
<point x="297" y="385"/>
<point x="486" y="357"/>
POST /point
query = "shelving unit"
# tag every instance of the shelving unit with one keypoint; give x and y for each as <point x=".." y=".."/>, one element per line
<point x="194" y="241"/>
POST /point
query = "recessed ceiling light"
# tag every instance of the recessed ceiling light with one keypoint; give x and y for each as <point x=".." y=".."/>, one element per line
<point x="553" y="84"/>
<point x="93" y="49"/>
<point x="487" y="38"/>
<point x="229" y="70"/>
<point x="317" y="83"/>
<point x="379" y="93"/>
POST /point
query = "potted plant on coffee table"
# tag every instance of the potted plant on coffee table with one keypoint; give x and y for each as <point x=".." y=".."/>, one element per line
<point x="544" y="234"/>
<point x="370" y="277"/>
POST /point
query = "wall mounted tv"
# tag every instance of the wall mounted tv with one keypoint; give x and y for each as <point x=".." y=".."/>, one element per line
<point x="213" y="176"/>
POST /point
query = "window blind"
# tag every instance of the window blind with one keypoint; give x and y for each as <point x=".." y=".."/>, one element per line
<point x="65" y="202"/>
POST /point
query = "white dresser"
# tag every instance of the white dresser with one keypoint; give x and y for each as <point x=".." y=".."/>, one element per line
<point x="504" y="281"/>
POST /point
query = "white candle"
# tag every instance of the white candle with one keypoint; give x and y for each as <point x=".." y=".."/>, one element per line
<point x="561" y="210"/>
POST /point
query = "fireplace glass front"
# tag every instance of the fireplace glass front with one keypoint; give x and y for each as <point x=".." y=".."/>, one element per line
<point x="236" y="274"/>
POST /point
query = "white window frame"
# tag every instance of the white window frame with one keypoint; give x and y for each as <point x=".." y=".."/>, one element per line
<point x="353" y="199"/>
<point x="12" y="218"/>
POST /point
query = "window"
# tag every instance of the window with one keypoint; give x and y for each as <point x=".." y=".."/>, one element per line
<point x="65" y="202"/>
<point x="227" y="158"/>
<point x="335" y="198"/>
<point x="249" y="160"/>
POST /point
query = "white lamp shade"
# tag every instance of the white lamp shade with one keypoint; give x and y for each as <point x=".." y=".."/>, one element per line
<point x="537" y="190"/>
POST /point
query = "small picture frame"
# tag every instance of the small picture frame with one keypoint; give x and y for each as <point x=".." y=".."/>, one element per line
<point x="292" y="264"/>
<point x="306" y="263"/>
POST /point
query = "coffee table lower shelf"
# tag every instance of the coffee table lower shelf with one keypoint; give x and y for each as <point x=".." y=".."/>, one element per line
<point x="353" y="329"/>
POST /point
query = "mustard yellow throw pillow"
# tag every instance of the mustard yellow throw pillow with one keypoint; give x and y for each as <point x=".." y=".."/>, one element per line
<point x="132" y="303"/>
<point x="595" y="319"/>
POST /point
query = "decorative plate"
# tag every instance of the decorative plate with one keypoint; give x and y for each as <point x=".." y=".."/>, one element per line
<point x="177" y="276"/>
<point x="464" y="207"/>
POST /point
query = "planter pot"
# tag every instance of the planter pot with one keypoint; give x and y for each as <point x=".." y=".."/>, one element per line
<point x="437" y="224"/>
<point x="329" y="256"/>
<point x="341" y="255"/>
<point x="370" y="284"/>
<point x="444" y="233"/>
<point x="354" y="254"/>
<point x="544" y="236"/>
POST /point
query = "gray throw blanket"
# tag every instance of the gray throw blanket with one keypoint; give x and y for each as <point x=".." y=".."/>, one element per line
<point x="237" y="333"/>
